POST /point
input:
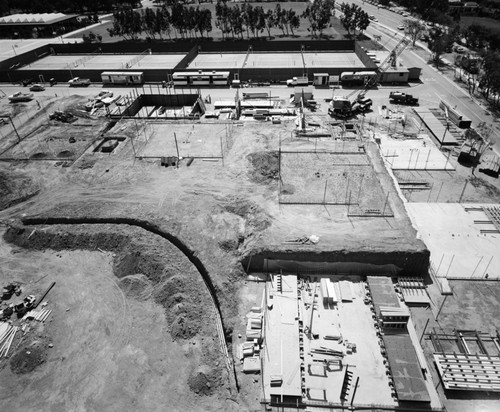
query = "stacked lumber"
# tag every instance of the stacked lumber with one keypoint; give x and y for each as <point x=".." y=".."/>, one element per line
<point x="40" y="315"/>
<point x="327" y="351"/>
<point x="7" y="335"/>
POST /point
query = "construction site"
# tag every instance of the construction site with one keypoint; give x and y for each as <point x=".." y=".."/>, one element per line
<point x="247" y="249"/>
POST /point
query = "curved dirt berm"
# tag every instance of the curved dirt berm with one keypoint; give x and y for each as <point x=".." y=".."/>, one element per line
<point x="150" y="270"/>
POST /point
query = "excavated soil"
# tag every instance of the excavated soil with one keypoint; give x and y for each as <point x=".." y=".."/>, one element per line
<point x="15" y="188"/>
<point x="265" y="166"/>
<point x="29" y="357"/>
<point x="147" y="265"/>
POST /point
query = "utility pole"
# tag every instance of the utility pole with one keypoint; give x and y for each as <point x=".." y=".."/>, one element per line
<point x="177" y="148"/>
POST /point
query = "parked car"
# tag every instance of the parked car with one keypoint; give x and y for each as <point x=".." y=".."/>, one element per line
<point x="401" y="27"/>
<point x="37" y="88"/>
<point x="103" y="94"/>
<point x="459" y="49"/>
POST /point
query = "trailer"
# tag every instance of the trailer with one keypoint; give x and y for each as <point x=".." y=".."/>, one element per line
<point x="352" y="78"/>
<point x="126" y="78"/>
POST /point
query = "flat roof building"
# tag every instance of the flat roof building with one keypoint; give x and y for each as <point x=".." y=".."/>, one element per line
<point x="37" y="25"/>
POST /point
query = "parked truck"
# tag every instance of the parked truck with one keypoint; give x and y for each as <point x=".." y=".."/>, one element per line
<point x="297" y="81"/>
<point x="343" y="107"/>
<point x="77" y="82"/>
<point x="403" y="98"/>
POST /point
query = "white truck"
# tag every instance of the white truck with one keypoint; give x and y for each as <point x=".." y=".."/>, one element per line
<point x="77" y="82"/>
<point x="297" y="81"/>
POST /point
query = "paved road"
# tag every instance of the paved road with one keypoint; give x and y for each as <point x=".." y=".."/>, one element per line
<point x="434" y="85"/>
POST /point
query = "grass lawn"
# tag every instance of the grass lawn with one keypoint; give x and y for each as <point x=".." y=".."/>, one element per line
<point x="491" y="24"/>
<point x="335" y="31"/>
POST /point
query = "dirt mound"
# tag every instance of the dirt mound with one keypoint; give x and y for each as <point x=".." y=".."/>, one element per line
<point x="15" y="188"/>
<point x="65" y="153"/>
<point x="248" y="210"/>
<point x="202" y="384"/>
<point x="185" y="307"/>
<point x="131" y="262"/>
<point x="26" y="359"/>
<point x="136" y="286"/>
<point x="265" y="166"/>
<point x="86" y="163"/>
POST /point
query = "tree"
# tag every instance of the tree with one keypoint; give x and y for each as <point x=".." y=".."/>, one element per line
<point x="236" y="21"/>
<point x="260" y="20"/>
<point x="413" y="28"/>
<point x="489" y="80"/>
<point x="162" y="22"/>
<point x="293" y="20"/>
<point x="249" y="18"/>
<point x="203" y="21"/>
<point x="269" y="21"/>
<point x="354" y="18"/>
<point x="476" y="36"/>
<point x="438" y="40"/>
<point x="319" y="14"/>
<point x="178" y="19"/>
<point x="126" y="24"/>
<point x="280" y="18"/>
<point x="222" y="14"/>
<point x="148" y="17"/>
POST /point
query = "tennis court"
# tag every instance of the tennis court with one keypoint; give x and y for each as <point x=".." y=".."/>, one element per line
<point x="205" y="61"/>
<point x="332" y="60"/>
<point x="106" y="62"/>
<point x="274" y="60"/>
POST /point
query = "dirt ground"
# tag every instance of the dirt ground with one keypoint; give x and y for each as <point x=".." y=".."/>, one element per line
<point x="214" y="213"/>
<point x="122" y="321"/>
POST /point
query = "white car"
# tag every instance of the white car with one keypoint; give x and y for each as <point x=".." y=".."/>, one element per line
<point x="104" y="94"/>
<point x="401" y="27"/>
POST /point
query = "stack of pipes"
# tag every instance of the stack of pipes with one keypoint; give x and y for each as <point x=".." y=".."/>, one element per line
<point x="7" y="338"/>
<point x="40" y="315"/>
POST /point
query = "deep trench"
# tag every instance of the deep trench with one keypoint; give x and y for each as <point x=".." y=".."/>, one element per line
<point x="189" y="253"/>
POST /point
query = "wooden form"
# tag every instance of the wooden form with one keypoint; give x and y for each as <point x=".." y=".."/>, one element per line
<point x="461" y="337"/>
<point x="493" y="213"/>
<point x="469" y="372"/>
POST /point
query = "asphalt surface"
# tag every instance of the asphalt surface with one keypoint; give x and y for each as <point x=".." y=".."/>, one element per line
<point x="435" y="85"/>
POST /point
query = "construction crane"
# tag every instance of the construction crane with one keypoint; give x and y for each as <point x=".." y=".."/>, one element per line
<point x="344" y="106"/>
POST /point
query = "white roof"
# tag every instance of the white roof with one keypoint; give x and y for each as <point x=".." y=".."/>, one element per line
<point x="34" y="18"/>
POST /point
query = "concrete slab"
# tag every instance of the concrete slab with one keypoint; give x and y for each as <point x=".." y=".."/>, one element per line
<point x="413" y="154"/>
<point x="458" y="249"/>
<point x="440" y="132"/>
<point x="281" y="351"/>
<point x="354" y="321"/>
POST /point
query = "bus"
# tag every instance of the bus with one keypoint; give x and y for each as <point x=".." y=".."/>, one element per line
<point x="201" y="78"/>
<point x="127" y="78"/>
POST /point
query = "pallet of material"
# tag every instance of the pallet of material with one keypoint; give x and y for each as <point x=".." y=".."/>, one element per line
<point x="251" y="364"/>
<point x="345" y="291"/>
<point x="324" y="290"/>
<point x="333" y="291"/>
<point x="252" y="334"/>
